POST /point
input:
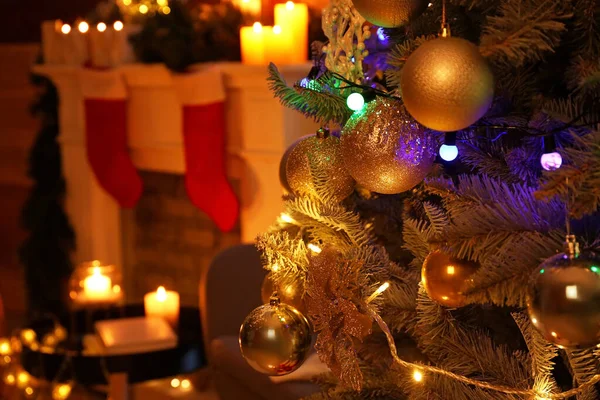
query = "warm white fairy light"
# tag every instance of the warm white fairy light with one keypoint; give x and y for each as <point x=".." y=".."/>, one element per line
<point x="83" y="27"/>
<point x="186" y="384"/>
<point x="378" y="292"/>
<point x="175" y="383"/>
<point x="101" y="27"/>
<point x="417" y="375"/>
<point x="287" y="218"/>
<point x="118" y="26"/>
<point x="61" y="391"/>
<point x="28" y="336"/>
<point x="29" y="391"/>
<point x="5" y="347"/>
<point x="314" y="248"/>
<point x="66" y="29"/>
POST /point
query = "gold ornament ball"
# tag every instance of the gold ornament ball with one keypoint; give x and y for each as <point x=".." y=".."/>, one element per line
<point x="318" y="155"/>
<point x="288" y="292"/>
<point x="385" y="150"/>
<point x="445" y="277"/>
<point x="390" y="13"/>
<point x="275" y="339"/>
<point x="563" y="300"/>
<point x="283" y="164"/>
<point x="446" y="84"/>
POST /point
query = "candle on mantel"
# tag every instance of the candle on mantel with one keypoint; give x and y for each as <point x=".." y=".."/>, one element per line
<point x="252" y="7"/>
<point x="163" y="303"/>
<point x="293" y="19"/>
<point x="278" y="47"/>
<point x="74" y="45"/>
<point x="252" y="42"/>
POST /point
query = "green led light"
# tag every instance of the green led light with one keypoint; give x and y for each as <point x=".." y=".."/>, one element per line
<point x="542" y="271"/>
<point x="355" y="102"/>
<point x="595" y="268"/>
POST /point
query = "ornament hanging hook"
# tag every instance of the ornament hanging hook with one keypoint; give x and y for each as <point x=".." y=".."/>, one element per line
<point x="571" y="244"/>
<point x="445" y="24"/>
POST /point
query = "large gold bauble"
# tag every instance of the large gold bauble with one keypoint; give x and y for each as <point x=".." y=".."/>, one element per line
<point x="275" y="339"/>
<point x="283" y="165"/>
<point x="314" y="154"/>
<point x="288" y="292"/>
<point x="445" y="277"/>
<point x="390" y="13"/>
<point x="446" y="84"/>
<point x="563" y="300"/>
<point x="385" y="150"/>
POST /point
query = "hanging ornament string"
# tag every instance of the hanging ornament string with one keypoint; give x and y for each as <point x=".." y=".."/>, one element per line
<point x="483" y="385"/>
<point x="445" y="26"/>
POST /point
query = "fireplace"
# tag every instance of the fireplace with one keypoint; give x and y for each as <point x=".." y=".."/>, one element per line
<point x="165" y="239"/>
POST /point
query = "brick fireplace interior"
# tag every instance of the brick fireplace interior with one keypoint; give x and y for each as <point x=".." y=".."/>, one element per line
<point x="168" y="241"/>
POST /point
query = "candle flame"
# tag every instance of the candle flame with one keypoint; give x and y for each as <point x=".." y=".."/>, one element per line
<point x="161" y="294"/>
<point x="101" y="27"/>
<point x="257" y="27"/>
<point x="118" y="25"/>
<point x="83" y="27"/>
<point x="96" y="271"/>
<point x="277" y="30"/>
<point x="290" y="5"/>
<point x="66" y="29"/>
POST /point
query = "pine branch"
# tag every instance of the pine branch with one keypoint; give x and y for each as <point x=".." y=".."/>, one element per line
<point x="524" y="30"/>
<point x="541" y="354"/>
<point x="584" y="365"/>
<point x="323" y="107"/>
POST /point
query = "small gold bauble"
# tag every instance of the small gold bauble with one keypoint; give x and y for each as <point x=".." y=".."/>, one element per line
<point x="444" y="278"/>
<point x="446" y="84"/>
<point x="275" y="339"/>
<point x="322" y="154"/>
<point x="563" y="300"/>
<point x="385" y="150"/>
<point x="390" y="13"/>
<point x="288" y="292"/>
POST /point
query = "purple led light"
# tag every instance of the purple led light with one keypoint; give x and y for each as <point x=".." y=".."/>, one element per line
<point x="551" y="161"/>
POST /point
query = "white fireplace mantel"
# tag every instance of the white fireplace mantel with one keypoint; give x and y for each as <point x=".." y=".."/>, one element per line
<point x="259" y="130"/>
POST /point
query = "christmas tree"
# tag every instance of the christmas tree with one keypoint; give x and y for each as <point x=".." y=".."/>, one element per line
<point x="440" y="229"/>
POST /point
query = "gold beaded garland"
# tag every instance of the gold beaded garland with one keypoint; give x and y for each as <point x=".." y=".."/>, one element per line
<point x="446" y="84"/>
<point x="385" y="150"/>
<point x="318" y="154"/>
<point x="275" y="339"/>
<point x="390" y="13"/>
<point x="444" y="278"/>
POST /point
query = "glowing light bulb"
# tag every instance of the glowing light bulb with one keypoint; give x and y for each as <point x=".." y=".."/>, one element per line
<point x="355" y="102"/>
<point x="66" y="29"/>
<point x="314" y="248"/>
<point x="101" y="27"/>
<point x="287" y="219"/>
<point x="5" y="347"/>
<point x="23" y="379"/>
<point x="381" y="35"/>
<point x="175" y="383"/>
<point x="28" y="336"/>
<point x="29" y="391"/>
<point x="166" y="10"/>
<point x="448" y="152"/>
<point x="143" y="9"/>
<point x="161" y="2"/>
<point x="127" y="2"/>
<point x="450" y="270"/>
<point x="417" y="375"/>
<point x="380" y="290"/>
<point x="83" y="27"/>
<point x="275" y="268"/>
<point x="257" y="27"/>
<point x="118" y="26"/>
<point x="551" y="161"/>
<point x="10" y="379"/>
<point x="61" y="392"/>
<point x="186" y="384"/>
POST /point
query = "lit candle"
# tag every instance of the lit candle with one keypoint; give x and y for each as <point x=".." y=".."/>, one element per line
<point x="293" y="19"/>
<point x="252" y="42"/>
<point x="97" y="287"/>
<point x="278" y="46"/>
<point x="163" y="303"/>
<point x="252" y="7"/>
<point x="52" y="42"/>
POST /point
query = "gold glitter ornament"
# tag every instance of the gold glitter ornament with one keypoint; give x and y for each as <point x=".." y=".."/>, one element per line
<point x="446" y="84"/>
<point x="318" y="154"/>
<point x="283" y="164"/>
<point x="563" y="298"/>
<point x="288" y="292"/>
<point x="275" y="339"/>
<point x="390" y="13"/>
<point x="385" y="150"/>
<point x="444" y="278"/>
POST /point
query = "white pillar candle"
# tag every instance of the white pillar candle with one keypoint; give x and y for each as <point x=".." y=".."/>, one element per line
<point x="52" y="43"/>
<point x="163" y="303"/>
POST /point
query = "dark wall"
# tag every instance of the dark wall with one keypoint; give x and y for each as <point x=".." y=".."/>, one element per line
<point x="21" y="18"/>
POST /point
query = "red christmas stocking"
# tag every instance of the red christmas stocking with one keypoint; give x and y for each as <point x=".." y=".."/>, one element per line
<point x="202" y="96"/>
<point x="106" y="135"/>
